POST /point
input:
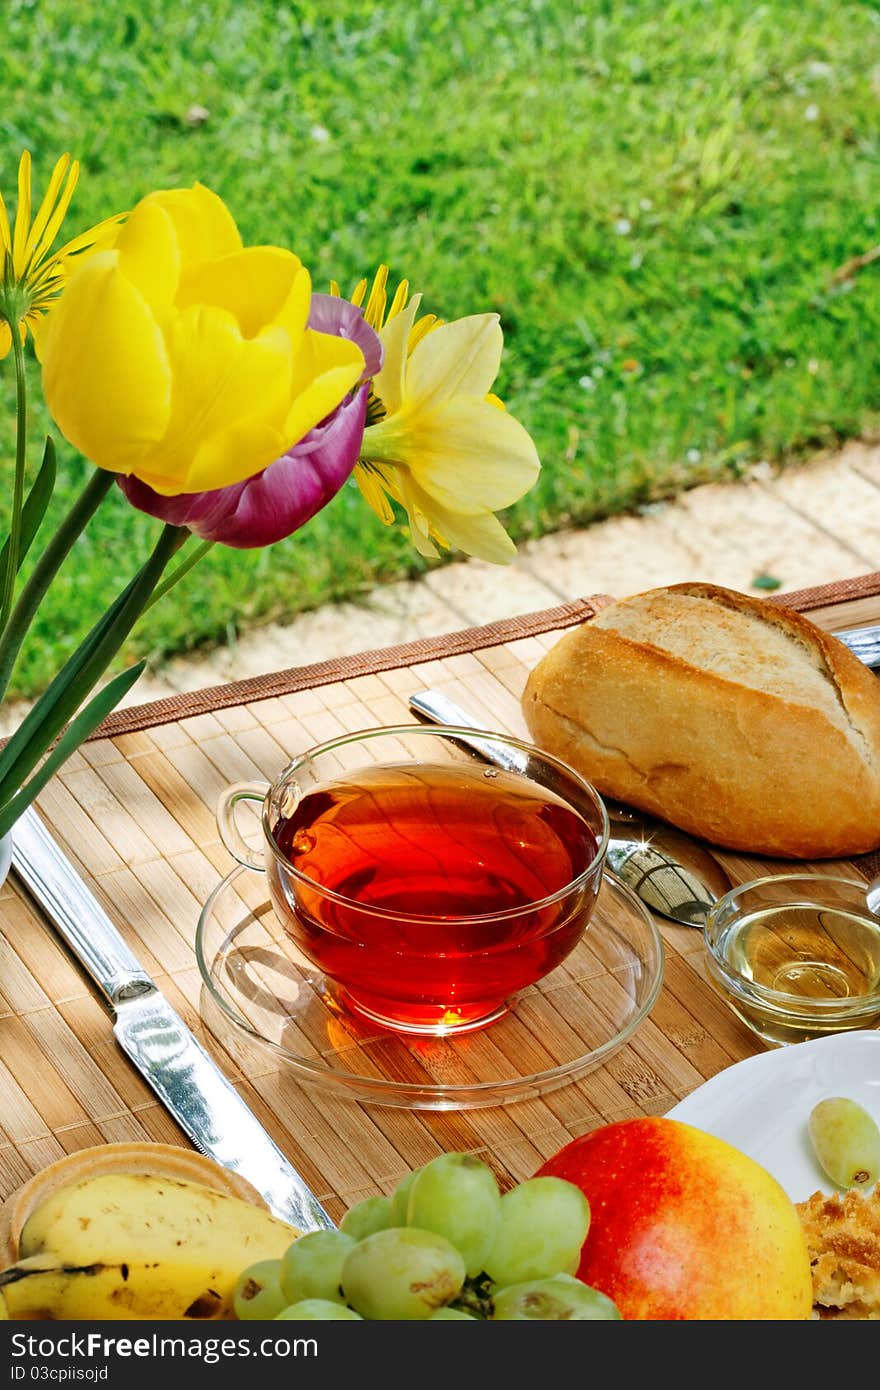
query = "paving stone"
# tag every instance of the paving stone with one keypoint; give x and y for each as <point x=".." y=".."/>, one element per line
<point x="484" y="593"/>
<point x="840" y="501"/>
<point x="738" y="532"/>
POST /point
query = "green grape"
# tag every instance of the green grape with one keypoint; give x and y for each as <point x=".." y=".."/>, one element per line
<point x="457" y="1196"/>
<point x="450" y="1315"/>
<point x="372" y="1214"/>
<point x="559" y="1297"/>
<point x="400" y="1198"/>
<point x="544" y="1222"/>
<point x="316" y="1310"/>
<point x="402" y="1273"/>
<point x="312" y="1266"/>
<point x="258" y="1294"/>
<point x="846" y="1142"/>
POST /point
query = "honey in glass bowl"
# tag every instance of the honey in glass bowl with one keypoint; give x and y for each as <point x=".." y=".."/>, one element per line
<point x="797" y="956"/>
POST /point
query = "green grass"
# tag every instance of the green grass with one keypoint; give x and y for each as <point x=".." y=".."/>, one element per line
<point x="654" y="196"/>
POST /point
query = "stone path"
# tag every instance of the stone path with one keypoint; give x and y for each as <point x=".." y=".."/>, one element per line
<point x="804" y="525"/>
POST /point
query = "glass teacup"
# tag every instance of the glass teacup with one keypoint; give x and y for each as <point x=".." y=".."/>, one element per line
<point x="427" y="887"/>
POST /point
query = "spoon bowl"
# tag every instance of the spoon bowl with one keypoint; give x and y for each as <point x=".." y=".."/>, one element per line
<point x="670" y="873"/>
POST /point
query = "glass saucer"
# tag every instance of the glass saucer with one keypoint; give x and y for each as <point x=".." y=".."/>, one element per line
<point x="260" y="996"/>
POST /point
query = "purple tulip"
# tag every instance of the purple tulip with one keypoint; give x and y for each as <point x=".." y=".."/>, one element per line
<point x="276" y="502"/>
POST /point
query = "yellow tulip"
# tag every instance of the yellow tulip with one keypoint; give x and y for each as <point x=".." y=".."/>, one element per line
<point x="178" y="356"/>
<point x="445" y="449"/>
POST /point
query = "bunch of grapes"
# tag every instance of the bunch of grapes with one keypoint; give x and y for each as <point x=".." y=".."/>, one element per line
<point x="445" y="1245"/>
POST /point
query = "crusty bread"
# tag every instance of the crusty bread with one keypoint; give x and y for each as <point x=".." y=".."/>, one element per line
<point x="164" y="1160"/>
<point x="738" y="720"/>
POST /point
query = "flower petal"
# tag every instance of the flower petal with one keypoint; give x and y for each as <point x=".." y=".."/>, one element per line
<point x="112" y="397"/>
<point x="342" y="319"/>
<point x="5" y="338"/>
<point x="52" y="210"/>
<point x="420" y="527"/>
<point x="5" y="231"/>
<point x="203" y="224"/>
<point x="22" y="214"/>
<point x="149" y="254"/>
<point x="460" y="358"/>
<point x="324" y="371"/>
<point x="467" y="454"/>
<point x="371" y="479"/>
<point x="474" y="456"/>
<point x="243" y="447"/>
<point x="278" y="501"/>
<point x="295" y="487"/>
<point x="228" y="404"/>
<point x="257" y="285"/>
<point x="479" y="534"/>
<point x="482" y="536"/>
<point x="388" y="384"/>
<point x="101" y="237"/>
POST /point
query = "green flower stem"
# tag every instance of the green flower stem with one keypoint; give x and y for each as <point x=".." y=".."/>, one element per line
<point x="180" y="572"/>
<point x="80" y="728"/>
<point x="67" y="691"/>
<point x="46" y="568"/>
<point x="12" y="558"/>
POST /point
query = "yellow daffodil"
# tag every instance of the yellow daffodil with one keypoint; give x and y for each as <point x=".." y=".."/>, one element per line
<point x="179" y="357"/>
<point x="439" y="444"/>
<point x="31" y="273"/>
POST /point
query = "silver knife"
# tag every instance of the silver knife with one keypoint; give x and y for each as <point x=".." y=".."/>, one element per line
<point x="191" y="1086"/>
<point x="864" y="642"/>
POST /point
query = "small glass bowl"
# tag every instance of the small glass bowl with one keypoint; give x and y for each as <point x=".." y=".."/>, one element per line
<point x="796" y="956"/>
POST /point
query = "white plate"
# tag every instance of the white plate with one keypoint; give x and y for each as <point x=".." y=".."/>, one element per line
<point x="762" y="1105"/>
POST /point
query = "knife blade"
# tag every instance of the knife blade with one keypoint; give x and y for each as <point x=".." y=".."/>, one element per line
<point x="863" y="642"/>
<point x="154" y="1037"/>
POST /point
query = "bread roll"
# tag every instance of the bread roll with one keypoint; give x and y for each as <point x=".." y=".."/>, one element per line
<point x="736" y="719"/>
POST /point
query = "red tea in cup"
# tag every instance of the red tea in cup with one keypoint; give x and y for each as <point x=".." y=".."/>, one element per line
<point x="425" y="886"/>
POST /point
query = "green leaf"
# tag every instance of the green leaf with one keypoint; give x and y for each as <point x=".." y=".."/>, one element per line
<point x="80" y="728"/>
<point x="35" y="506"/>
<point x="16" y="629"/>
<point x="42" y="710"/>
<point x="82" y="670"/>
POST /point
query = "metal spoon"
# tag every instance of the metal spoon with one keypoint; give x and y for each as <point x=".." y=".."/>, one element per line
<point x="663" y="867"/>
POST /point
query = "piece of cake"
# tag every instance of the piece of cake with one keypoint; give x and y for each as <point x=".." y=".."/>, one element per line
<point x="843" y="1236"/>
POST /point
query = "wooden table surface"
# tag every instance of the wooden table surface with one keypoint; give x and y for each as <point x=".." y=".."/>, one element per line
<point x="135" y="809"/>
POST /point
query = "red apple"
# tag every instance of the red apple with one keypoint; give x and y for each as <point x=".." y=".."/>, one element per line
<point x="684" y="1225"/>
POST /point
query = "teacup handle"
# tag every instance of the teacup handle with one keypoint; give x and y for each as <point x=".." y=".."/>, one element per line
<point x="228" y="825"/>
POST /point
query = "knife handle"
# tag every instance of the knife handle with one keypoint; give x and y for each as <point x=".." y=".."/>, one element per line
<point x="75" y="912"/>
<point x="440" y="709"/>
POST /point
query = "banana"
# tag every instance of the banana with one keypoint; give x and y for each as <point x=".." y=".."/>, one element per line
<point x="137" y="1245"/>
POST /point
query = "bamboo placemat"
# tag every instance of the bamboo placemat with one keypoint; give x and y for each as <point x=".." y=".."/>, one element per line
<point x="134" y="808"/>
